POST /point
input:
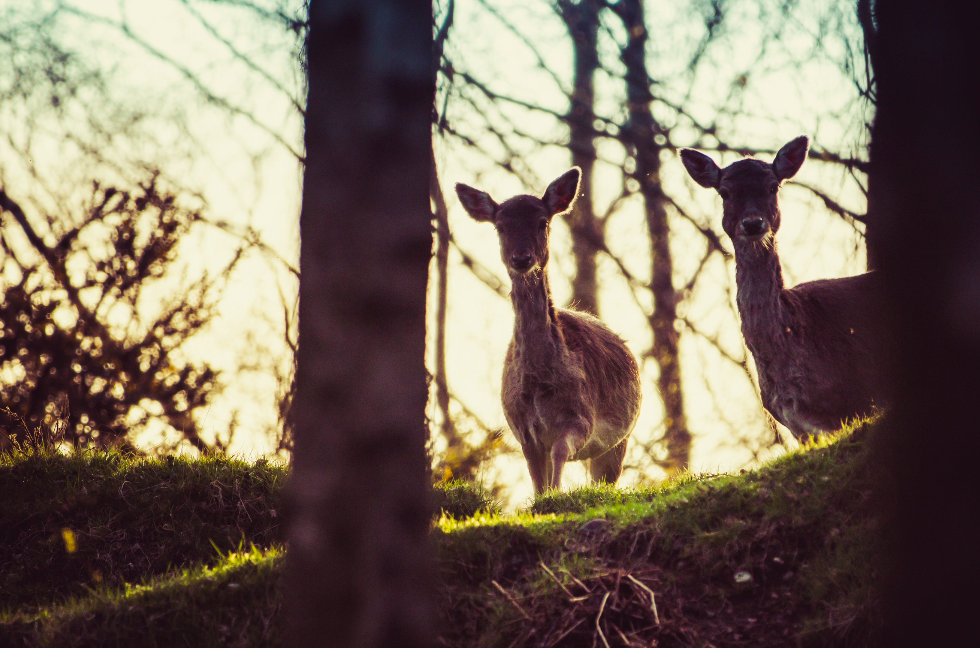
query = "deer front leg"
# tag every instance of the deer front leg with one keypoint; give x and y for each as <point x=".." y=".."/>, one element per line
<point x="536" y="459"/>
<point x="566" y="447"/>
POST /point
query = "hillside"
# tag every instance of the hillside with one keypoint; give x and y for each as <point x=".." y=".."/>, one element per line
<point x="104" y="550"/>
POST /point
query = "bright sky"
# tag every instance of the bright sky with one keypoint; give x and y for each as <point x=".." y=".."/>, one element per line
<point x="244" y="169"/>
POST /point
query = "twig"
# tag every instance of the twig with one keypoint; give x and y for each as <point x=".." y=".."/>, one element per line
<point x="567" y="632"/>
<point x="626" y="642"/>
<point x="513" y="600"/>
<point x="848" y="215"/>
<point x="577" y="581"/>
<point x="602" y="606"/>
<point x="653" y="600"/>
<point x="555" y="578"/>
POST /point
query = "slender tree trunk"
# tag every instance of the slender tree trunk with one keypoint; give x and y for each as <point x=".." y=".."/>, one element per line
<point x="640" y="133"/>
<point x="359" y="571"/>
<point x="925" y="216"/>
<point x="582" y="21"/>
<point x="454" y="443"/>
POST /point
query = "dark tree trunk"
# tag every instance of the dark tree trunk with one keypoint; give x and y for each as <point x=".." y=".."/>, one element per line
<point x="582" y="21"/>
<point x="639" y="135"/>
<point x="359" y="570"/>
<point x="925" y="218"/>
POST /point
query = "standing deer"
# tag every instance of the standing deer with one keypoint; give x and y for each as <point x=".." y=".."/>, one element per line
<point x="813" y="344"/>
<point x="571" y="388"/>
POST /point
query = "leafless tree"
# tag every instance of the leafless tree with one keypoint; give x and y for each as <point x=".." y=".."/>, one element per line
<point x="358" y="573"/>
<point x="90" y="232"/>
<point x="74" y="374"/>
<point x="644" y="116"/>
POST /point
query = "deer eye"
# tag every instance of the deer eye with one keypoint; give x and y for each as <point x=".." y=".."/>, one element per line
<point x="725" y="195"/>
<point x="542" y="225"/>
<point x="774" y="189"/>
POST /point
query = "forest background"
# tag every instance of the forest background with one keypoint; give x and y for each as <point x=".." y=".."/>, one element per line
<point x="154" y="154"/>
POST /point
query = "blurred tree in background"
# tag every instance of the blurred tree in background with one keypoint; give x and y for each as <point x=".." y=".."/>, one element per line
<point x="616" y="88"/>
<point x="523" y="88"/>
<point x="81" y="358"/>
<point x="105" y="294"/>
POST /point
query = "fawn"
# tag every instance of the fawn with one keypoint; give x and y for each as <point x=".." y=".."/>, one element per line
<point x="571" y="388"/>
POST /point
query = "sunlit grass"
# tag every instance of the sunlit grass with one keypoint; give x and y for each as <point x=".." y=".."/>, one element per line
<point x="789" y="542"/>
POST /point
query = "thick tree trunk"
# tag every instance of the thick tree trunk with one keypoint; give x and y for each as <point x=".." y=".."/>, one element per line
<point x="925" y="220"/>
<point x="639" y="134"/>
<point x="582" y="21"/>
<point x="359" y="571"/>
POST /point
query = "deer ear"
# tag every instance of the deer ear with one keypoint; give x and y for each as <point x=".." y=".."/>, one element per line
<point x="702" y="168"/>
<point x="561" y="193"/>
<point x="791" y="157"/>
<point x="478" y="204"/>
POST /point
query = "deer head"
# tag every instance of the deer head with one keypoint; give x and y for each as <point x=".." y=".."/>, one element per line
<point x="523" y="222"/>
<point x="748" y="189"/>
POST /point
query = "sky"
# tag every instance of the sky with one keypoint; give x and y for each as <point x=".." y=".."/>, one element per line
<point x="241" y="163"/>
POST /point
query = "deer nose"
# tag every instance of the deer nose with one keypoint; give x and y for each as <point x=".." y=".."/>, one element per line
<point x="520" y="262"/>
<point x="753" y="226"/>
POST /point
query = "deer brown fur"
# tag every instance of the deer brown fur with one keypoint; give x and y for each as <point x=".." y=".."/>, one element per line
<point x="814" y="344"/>
<point x="571" y="388"/>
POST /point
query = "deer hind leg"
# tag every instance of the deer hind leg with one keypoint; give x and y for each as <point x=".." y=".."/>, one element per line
<point x="608" y="467"/>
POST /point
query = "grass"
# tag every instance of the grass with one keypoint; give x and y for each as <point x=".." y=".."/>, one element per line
<point x="780" y="556"/>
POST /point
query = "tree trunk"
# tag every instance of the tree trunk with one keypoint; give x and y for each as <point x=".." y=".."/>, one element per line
<point x="639" y="134"/>
<point x="582" y="21"/>
<point x="359" y="570"/>
<point x="925" y="217"/>
<point x="454" y="442"/>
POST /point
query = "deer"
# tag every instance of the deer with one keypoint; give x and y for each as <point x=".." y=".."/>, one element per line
<point x="814" y="345"/>
<point x="571" y="387"/>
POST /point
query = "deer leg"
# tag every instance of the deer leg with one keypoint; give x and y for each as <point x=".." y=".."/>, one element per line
<point x="565" y="448"/>
<point x="536" y="459"/>
<point x="608" y="467"/>
<point x="558" y="457"/>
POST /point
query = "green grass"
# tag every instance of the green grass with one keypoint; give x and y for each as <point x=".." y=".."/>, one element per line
<point x="129" y="518"/>
<point x="458" y="499"/>
<point x="780" y="556"/>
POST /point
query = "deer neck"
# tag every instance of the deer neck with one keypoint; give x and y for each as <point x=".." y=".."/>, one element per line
<point x="759" y="285"/>
<point x="537" y="337"/>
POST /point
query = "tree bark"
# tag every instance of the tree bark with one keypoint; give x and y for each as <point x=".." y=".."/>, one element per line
<point x="582" y="21"/>
<point x="925" y="218"/>
<point x="359" y="571"/>
<point x="639" y="134"/>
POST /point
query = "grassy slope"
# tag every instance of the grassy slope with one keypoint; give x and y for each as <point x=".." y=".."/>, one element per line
<point x="775" y="557"/>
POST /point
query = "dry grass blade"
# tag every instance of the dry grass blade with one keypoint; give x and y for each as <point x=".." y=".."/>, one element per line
<point x="567" y="632"/>
<point x="555" y="578"/>
<point x="626" y="642"/>
<point x="653" y="600"/>
<point x="602" y="606"/>
<point x="511" y="599"/>
<point x="578" y="582"/>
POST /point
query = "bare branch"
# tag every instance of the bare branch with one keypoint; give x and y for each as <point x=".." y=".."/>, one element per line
<point x="833" y="205"/>
<point x="190" y="76"/>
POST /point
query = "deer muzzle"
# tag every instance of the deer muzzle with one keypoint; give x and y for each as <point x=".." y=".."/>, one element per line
<point x="754" y="227"/>
<point x="521" y="262"/>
